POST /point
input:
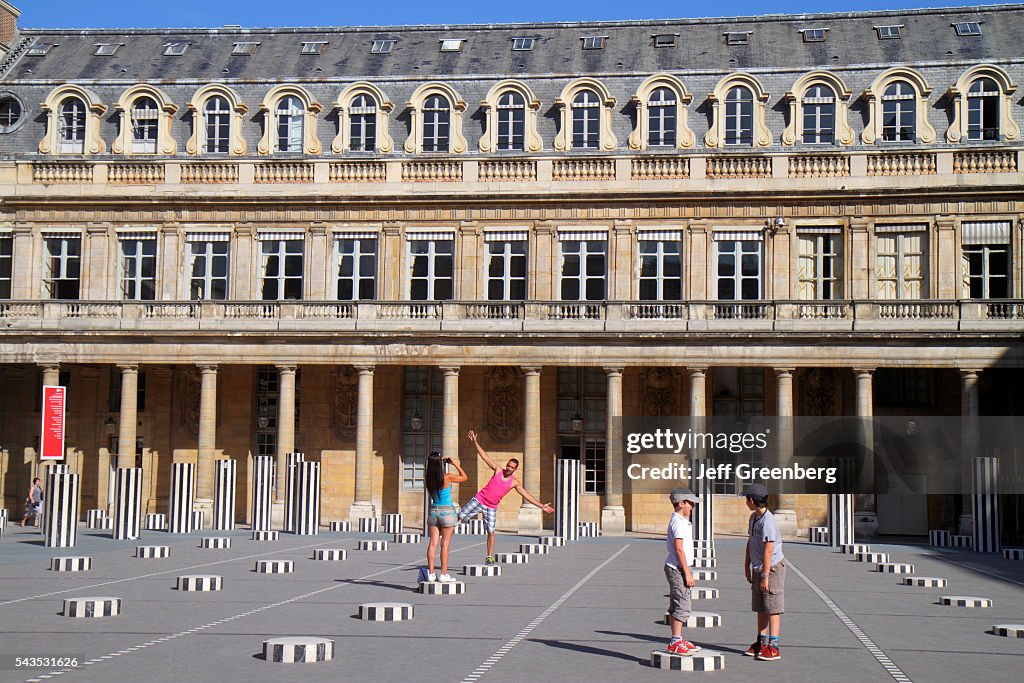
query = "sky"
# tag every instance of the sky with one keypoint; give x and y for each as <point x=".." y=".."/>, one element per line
<point x="253" y="13"/>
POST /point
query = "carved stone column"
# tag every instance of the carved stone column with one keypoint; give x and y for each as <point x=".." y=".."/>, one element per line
<point x="207" y="442"/>
<point x="362" y="506"/>
<point x="285" y="437"/>
<point x="129" y="415"/>
<point x="531" y="519"/>
<point x="785" y="512"/>
<point x="613" y="515"/>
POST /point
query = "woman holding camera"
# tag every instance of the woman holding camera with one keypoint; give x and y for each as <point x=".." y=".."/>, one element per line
<point x="442" y="516"/>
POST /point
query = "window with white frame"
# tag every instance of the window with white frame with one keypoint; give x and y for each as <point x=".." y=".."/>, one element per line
<point x="6" y="265"/>
<point x="584" y="267"/>
<point x="967" y="28"/>
<point x="582" y="396"/>
<point x="10" y="113"/>
<point x="436" y="124"/>
<point x="983" y="110"/>
<point x="431" y="268"/>
<point x="660" y="271"/>
<point x="62" y="269"/>
<point x="267" y="394"/>
<point x="662" y="110"/>
<point x="138" y="267"/>
<point x="899" y="112"/>
<point x="985" y="255"/>
<point x="382" y="46"/>
<point x="175" y="49"/>
<point x="291" y="117"/>
<point x="819" y="112"/>
<point x="511" y="113"/>
<point x="313" y="47"/>
<point x="739" y="116"/>
<point x="586" y="120"/>
<point x="216" y="125"/>
<point x="890" y="32"/>
<point x="814" y="35"/>
<point x="209" y="268"/>
<point x="422" y="420"/>
<point x="71" y="126"/>
<point x="506" y="267"/>
<point x="145" y="125"/>
<point x="900" y="262"/>
<point x="739" y="259"/>
<point x="356" y="257"/>
<point x="522" y="44"/>
<point x="820" y="263"/>
<point x="363" y="124"/>
<point x="282" y="267"/>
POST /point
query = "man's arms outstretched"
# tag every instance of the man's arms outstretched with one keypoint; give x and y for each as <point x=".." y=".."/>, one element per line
<point x="481" y="451"/>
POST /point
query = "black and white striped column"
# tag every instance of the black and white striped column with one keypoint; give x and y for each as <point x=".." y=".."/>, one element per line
<point x="840" y="519"/>
<point x="568" y="477"/>
<point x="307" y="498"/>
<point x="262" y="490"/>
<point x="986" y="505"/>
<point x="291" y="460"/>
<point x="182" y="494"/>
<point x="60" y="520"/>
<point x="127" y="503"/>
<point x="224" y="495"/>
<point x="703" y="514"/>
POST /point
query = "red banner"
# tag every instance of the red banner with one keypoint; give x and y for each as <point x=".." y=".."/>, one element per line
<point x="52" y="434"/>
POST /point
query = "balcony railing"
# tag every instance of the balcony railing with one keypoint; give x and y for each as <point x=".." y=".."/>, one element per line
<point x="631" y="317"/>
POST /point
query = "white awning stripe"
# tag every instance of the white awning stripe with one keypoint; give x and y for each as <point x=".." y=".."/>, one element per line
<point x="820" y="229"/>
<point x="273" y="236"/>
<point x="990" y="232"/>
<point x="582" y="235"/>
<point x="61" y="232"/>
<point x="906" y="227"/>
<point x="737" y="236"/>
<point x="355" y="235"/>
<point x="137" y="235"/>
<point x="208" y="237"/>
<point x="659" y="235"/>
<point x="429" y="235"/>
<point x="506" y="236"/>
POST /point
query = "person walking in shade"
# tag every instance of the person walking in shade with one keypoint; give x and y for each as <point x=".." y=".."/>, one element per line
<point x="33" y="503"/>
<point x="441" y="515"/>
<point x="488" y="498"/>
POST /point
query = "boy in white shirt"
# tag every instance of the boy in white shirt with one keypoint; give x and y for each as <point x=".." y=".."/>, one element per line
<point x="679" y="542"/>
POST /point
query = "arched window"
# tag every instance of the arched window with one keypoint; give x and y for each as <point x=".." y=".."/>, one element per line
<point x="290" y="122"/>
<point x="363" y="124"/>
<point x="71" y="132"/>
<point x="586" y="120"/>
<point x="899" y="112"/>
<point x="511" y="112"/>
<point x="983" y="110"/>
<point x="661" y="118"/>
<point x="739" y="116"/>
<point x="436" y="124"/>
<point x="819" y="111"/>
<point x="216" y="125"/>
<point x="145" y="125"/>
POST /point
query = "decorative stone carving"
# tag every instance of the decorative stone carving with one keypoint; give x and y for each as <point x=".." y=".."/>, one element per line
<point x="660" y="390"/>
<point x="346" y="402"/>
<point x="820" y="392"/>
<point x="504" y="404"/>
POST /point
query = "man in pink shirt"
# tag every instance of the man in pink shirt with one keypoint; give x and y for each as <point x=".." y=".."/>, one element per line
<point x="487" y="499"/>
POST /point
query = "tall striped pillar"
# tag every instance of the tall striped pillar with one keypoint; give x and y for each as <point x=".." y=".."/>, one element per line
<point x="568" y="476"/>
<point x="291" y="460"/>
<point x="127" y="503"/>
<point x="703" y="515"/>
<point x="60" y="520"/>
<point x="182" y="493"/>
<point x="262" y="488"/>
<point x="307" y="498"/>
<point x="224" y="494"/>
<point x="985" y="501"/>
<point x="840" y="519"/>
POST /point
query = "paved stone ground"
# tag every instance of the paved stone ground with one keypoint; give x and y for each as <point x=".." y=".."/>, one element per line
<point x="601" y="601"/>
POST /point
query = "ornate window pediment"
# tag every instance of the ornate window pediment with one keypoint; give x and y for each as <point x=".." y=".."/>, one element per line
<point x="363" y="112"/>
<point x="906" y="93"/>
<point x="982" y="106"/>
<point x="586" y="109"/>
<point x="661" y="114"/>
<point x="289" y="123"/>
<point x="511" y="114"/>
<point x="146" y="118"/>
<point x="72" y="122"/>
<point x="731" y="124"/>
<point x="216" y="122"/>
<point x="812" y="116"/>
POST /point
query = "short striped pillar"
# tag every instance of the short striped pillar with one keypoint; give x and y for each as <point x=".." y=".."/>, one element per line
<point x="127" y="503"/>
<point x="60" y="520"/>
<point x="393" y="524"/>
<point x="938" y="538"/>
<point x="94" y="518"/>
<point x="182" y="493"/>
<point x="156" y="521"/>
<point x="3" y="519"/>
<point x="985" y="501"/>
<point x="568" y="476"/>
<point x="703" y="514"/>
<point x="307" y="499"/>
<point x="840" y="519"/>
<point x="226" y="476"/>
<point x="262" y="489"/>
<point x="291" y="460"/>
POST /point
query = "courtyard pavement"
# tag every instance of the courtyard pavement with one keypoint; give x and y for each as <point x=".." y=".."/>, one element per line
<point x="589" y="611"/>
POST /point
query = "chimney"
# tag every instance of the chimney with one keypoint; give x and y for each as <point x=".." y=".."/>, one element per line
<point x="8" y="25"/>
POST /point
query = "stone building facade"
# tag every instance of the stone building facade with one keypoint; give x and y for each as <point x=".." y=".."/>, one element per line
<point x="359" y="243"/>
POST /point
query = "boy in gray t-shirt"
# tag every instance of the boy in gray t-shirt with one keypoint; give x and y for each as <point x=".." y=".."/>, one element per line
<point x="765" y="568"/>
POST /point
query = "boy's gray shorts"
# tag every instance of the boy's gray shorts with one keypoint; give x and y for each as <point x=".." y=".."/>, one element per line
<point x="679" y="605"/>
<point x="773" y="601"/>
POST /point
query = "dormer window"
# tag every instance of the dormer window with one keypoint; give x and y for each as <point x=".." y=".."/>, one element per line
<point x="967" y="28"/>
<point x="382" y="47"/>
<point x="313" y="47"/>
<point x="737" y="37"/>
<point x="522" y="44"/>
<point x="40" y="49"/>
<point x="175" y="49"/>
<point x="107" y="49"/>
<point x="452" y="44"/>
<point x="244" y="49"/>
<point x="665" y="39"/>
<point x="890" y="32"/>
<point x="594" y="42"/>
<point x="814" y="35"/>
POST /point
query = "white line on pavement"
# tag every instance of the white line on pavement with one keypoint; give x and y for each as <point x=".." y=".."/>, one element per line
<point x="518" y="638"/>
<point x="869" y="644"/>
